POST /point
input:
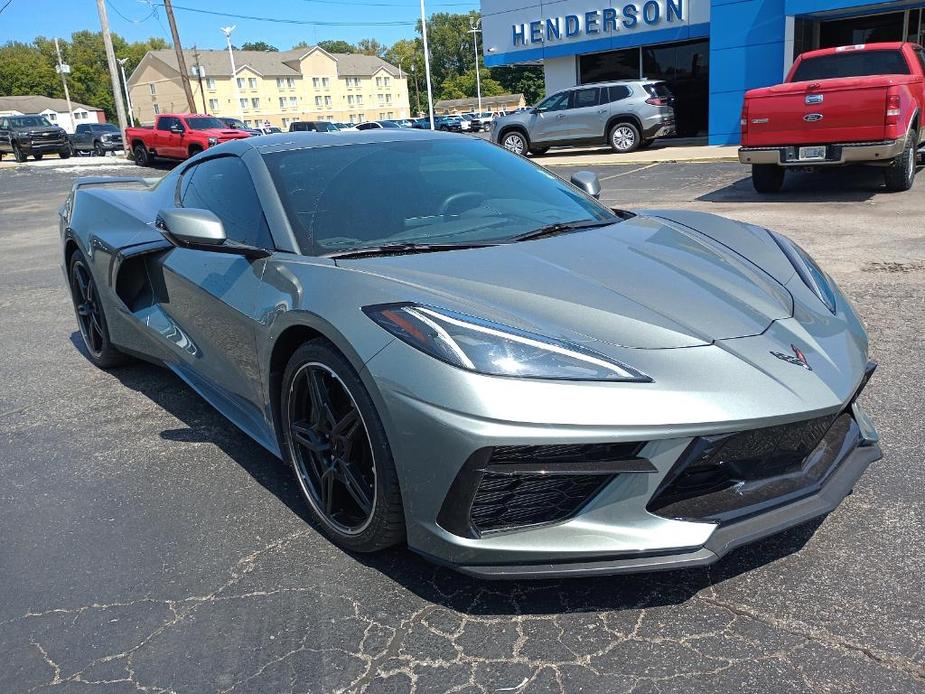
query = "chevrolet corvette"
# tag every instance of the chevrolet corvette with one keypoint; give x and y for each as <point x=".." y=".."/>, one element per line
<point x="456" y="350"/>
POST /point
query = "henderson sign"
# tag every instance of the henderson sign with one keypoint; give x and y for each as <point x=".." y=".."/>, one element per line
<point x="594" y="22"/>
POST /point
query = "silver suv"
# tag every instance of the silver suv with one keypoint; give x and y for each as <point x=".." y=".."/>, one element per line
<point x="625" y="115"/>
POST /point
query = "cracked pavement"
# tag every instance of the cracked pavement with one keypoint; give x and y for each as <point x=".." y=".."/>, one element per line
<point x="146" y="544"/>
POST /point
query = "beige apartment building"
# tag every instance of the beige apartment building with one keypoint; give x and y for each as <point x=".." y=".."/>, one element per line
<point x="272" y="88"/>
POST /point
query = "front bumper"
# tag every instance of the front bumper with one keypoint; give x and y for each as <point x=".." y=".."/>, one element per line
<point x="42" y="146"/>
<point x="836" y="154"/>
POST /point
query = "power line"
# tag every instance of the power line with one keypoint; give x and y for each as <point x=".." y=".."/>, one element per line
<point x="129" y="19"/>
<point x="5" y="5"/>
<point x="280" y="20"/>
<point x="394" y="6"/>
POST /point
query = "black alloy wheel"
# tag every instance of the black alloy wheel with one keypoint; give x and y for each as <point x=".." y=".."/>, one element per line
<point x="140" y="154"/>
<point x="339" y="452"/>
<point x="90" y="316"/>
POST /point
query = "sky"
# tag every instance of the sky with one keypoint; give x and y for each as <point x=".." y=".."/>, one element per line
<point x="351" y="20"/>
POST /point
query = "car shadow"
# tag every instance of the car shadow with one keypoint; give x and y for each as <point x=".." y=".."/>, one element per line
<point x="842" y="184"/>
<point x="437" y="584"/>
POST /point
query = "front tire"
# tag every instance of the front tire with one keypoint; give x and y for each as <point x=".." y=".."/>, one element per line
<point x="767" y="178"/>
<point x="140" y="154"/>
<point x="98" y="150"/>
<point x="91" y="318"/>
<point x="18" y="154"/>
<point x="624" y="138"/>
<point x="336" y="443"/>
<point x="38" y="156"/>
<point x="65" y="153"/>
<point x="515" y="142"/>
<point x="900" y="174"/>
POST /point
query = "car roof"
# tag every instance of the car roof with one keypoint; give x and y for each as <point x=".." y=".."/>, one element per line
<point x="281" y="142"/>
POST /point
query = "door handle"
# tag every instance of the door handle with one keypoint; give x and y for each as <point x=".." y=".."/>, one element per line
<point x="561" y="115"/>
<point x="603" y="110"/>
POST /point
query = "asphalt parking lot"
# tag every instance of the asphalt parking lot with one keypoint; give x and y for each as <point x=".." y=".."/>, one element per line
<point x="146" y="544"/>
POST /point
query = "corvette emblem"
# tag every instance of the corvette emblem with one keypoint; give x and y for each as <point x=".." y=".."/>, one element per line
<point x="797" y="358"/>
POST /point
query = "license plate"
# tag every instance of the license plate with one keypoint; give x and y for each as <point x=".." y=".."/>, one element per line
<point x="811" y="153"/>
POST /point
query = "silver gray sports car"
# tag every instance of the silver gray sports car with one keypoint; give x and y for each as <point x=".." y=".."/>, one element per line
<point x="457" y="350"/>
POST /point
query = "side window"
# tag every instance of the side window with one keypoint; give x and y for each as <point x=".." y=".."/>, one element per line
<point x="556" y="102"/>
<point x="619" y="92"/>
<point x="585" y="98"/>
<point x="4" y="124"/>
<point x="224" y="186"/>
<point x="920" y="54"/>
<point x="165" y="123"/>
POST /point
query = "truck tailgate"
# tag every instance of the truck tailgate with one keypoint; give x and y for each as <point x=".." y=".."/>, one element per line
<point x="832" y="110"/>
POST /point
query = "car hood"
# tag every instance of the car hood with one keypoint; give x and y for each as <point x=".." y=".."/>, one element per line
<point x="644" y="283"/>
<point x="224" y="134"/>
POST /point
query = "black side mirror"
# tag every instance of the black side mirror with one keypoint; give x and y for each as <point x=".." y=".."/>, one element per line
<point x="588" y="182"/>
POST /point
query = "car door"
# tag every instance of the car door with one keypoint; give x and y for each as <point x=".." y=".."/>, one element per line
<point x="586" y="115"/>
<point x="208" y="312"/>
<point x="548" y="118"/>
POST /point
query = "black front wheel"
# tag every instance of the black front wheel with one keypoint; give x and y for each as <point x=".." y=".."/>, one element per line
<point x="91" y="318"/>
<point x="38" y="156"/>
<point x="140" y="154"/>
<point x="339" y="452"/>
<point x="98" y="149"/>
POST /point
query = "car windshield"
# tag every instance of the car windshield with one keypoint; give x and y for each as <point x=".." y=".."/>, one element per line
<point x="388" y="124"/>
<point x="852" y="64"/>
<point x="233" y="123"/>
<point x="30" y="122"/>
<point x="205" y="124"/>
<point x="105" y="128"/>
<point x="347" y="197"/>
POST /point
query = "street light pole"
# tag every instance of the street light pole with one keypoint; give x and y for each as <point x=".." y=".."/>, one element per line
<point x="111" y="63"/>
<point x="128" y="98"/>
<point x="63" y="70"/>
<point x="234" y="72"/>
<point x="417" y="91"/>
<point x="474" y="30"/>
<point x="430" y="92"/>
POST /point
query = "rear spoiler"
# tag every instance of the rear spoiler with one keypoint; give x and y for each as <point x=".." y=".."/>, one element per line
<point x="87" y="181"/>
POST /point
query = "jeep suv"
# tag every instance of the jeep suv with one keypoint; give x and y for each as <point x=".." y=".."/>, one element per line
<point x="626" y="115"/>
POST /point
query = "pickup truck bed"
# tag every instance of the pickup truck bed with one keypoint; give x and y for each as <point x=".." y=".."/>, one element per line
<point x="835" y="108"/>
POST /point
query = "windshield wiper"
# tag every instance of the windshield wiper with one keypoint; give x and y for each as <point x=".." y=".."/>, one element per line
<point x="561" y="228"/>
<point x="399" y="248"/>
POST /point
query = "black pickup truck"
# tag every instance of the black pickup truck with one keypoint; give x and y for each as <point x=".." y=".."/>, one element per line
<point x="32" y="134"/>
<point x="96" y="138"/>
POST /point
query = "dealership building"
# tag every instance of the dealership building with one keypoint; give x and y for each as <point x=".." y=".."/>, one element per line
<point x="708" y="51"/>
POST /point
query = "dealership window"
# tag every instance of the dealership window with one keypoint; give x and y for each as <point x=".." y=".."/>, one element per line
<point x="613" y="65"/>
<point x="868" y="29"/>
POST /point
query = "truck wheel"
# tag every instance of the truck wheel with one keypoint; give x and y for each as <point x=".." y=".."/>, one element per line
<point x="98" y="149"/>
<point x="141" y="155"/>
<point x="194" y="150"/>
<point x="38" y="156"/>
<point x="65" y="153"/>
<point x="767" y="178"/>
<point x="18" y="154"/>
<point x="900" y="174"/>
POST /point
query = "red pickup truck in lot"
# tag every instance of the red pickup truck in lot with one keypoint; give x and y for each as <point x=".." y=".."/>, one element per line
<point x="178" y="136"/>
<point x="850" y="105"/>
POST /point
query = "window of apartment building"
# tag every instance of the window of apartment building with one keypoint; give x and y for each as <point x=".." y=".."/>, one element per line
<point x="243" y="103"/>
<point x="293" y="101"/>
<point x="390" y="114"/>
<point x="210" y="83"/>
<point x="316" y="82"/>
<point x="350" y="99"/>
<point x="157" y="109"/>
<point x="388" y="98"/>
<point x="290" y="82"/>
<point x="213" y="105"/>
<point x="359" y="99"/>
<point x="255" y="102"/>
<point x="381" y="98"/>
<point x="325" y="82"/>
<point x="378" y="81"/>
<point x="240" y="82"/>
<point x="279" y="82"/>
<point x="317" y="101"/>
<point x="153" y="89"/>
<point x="282" y="102"/>
<point x="286" y="122"/>
<point x="361" y="118"/>
<point x="386" y="81"/>
<point x="251" y="82"/>
<point x="353" y="81"/>
<point x="327" y="101"/>
<point x="382" y="115"/>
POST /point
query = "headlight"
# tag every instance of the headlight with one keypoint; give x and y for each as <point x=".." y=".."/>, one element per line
<point x="213" y="141"/>
<point x="499" y="350"/>
<point x="811" y="274"/>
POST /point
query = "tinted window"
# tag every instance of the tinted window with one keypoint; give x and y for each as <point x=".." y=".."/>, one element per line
<point x="613" y="65"/>
<point x="556" y="102"/>
<point x="619" y="92"/>
<point x="165" y="123"/>
<point x="419" y="190"/>
<point x="920" y="54"/>
<point x="585" y="98"/>
<point x="852" y="64"/>
<point x="205" y="124"/>
<point x="29" y="122"/>
<point x="82" y="128"/>
<point x="224" y="186"/>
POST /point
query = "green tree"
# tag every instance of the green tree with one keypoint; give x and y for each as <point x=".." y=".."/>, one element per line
<point x="370" y="47"/>
<point x="521" y="79"/>
<point x="259" y="46"/>
<point x="462" y="86"/>
<point x="336" y="46"/>
<point x="24" y="70"/>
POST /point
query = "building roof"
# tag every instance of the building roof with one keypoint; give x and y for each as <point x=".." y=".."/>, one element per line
<point x="35" y="103"/>
<point x="215" y="63"/>
<point x="473" y="101"/>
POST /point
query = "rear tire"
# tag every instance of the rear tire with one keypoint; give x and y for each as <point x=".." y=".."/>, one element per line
<point x="140" y="154"/>
<point x="91" y="319"/>
<point x="65" y="153"/>
<point x="624" y="138"/>
<point x="337" y="464"/>
<point x="38" y="156"/>
<point x="900" y="174"/>
<point x="767" y="178"/>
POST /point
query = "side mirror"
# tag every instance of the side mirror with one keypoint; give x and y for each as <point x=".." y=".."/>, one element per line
<point x="190" y="227"/>
<point x="588" y="182"/>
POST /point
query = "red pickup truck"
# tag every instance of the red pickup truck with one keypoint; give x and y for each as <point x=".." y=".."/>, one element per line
<point x="849" y="105"/>
<point x="178" y="136"/>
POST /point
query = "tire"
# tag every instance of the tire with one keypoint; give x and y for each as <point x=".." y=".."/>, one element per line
<point x="38" y="156"/>
<point x="624" y="138"/>
<point x="900" y="174"/>
<point x="65" y="153"/>
<point x="98" y="150"/>
<point x="18" y="154"/>
<point x="91" y="320"/>
<point x="194" y="150"/>
<point x="140" y="154"/>
<point x="767" y="178"/>
<point x="538" y="150"/>
<point x="318" y="373"/>
<point x="1" y="156"/>
<point x="516" y="142"/>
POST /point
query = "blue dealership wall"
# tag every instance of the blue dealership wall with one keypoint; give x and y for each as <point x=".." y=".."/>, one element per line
<point x="746" y="51"/>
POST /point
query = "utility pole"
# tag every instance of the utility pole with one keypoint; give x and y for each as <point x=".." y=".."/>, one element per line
<point x="234" y="71"/>
<point x="128" y="98"/>
<point x="417" y="91"/>
<point x="63" y="70"/>
<point x="430" y="92"/>
<point x="474" y="30"/>
<point x="202" y="92"/>
<point x="181" y="61"/>
<point x="111" y="60"/>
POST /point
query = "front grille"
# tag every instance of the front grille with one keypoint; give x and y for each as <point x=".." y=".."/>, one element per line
<point x="564" y="453"/>
<point x="721" y="478"/>
<point x="504" y="502"/>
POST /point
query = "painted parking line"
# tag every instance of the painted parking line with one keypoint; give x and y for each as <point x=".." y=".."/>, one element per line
<point x="627" y="173"/>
